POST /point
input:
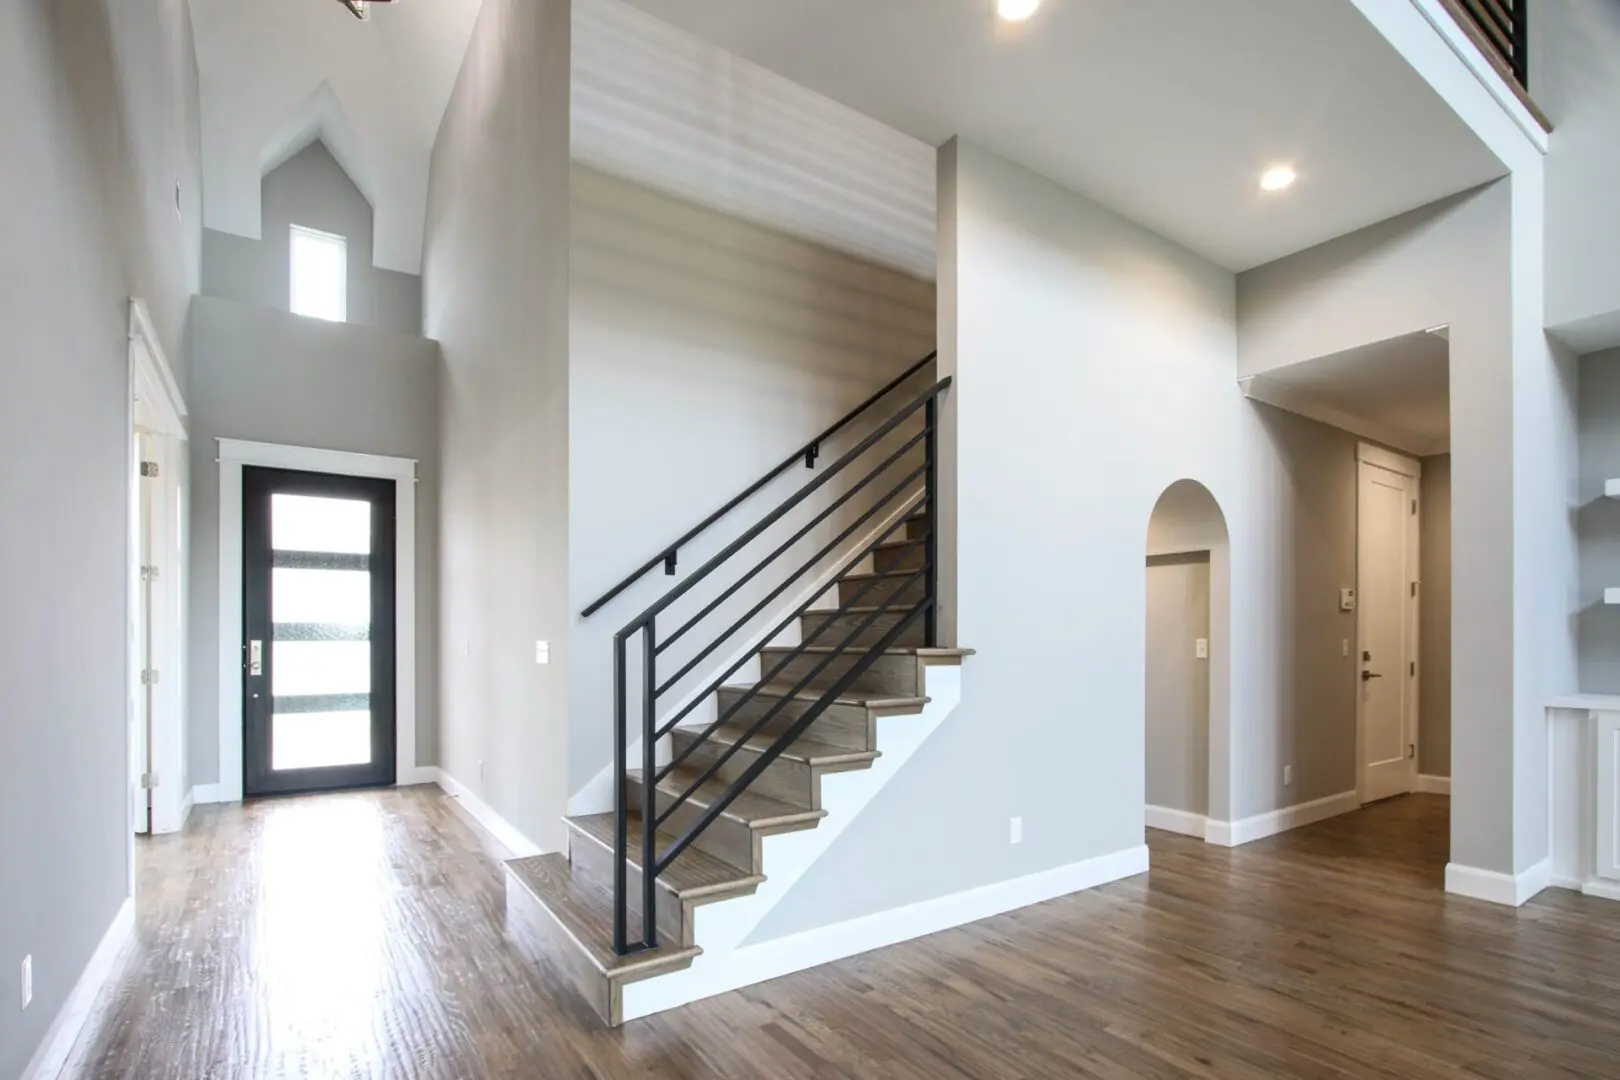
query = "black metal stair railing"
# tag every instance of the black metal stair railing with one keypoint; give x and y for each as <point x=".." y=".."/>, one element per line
<point x="1503" y="29"/>
<point x="905" y="486"/>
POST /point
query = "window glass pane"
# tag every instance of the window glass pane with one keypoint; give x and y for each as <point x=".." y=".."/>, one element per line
<point x="300" y="668"/>
<point x="320" y="271"/>
<point x="311" y="523"/>
<point x="319" y="740"/>
<point x="320" y="596"/>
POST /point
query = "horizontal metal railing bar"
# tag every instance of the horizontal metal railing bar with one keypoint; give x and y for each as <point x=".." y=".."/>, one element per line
<point x="797" y="574"/>
<point x="714" y="766"/>
<point x="776" y="515"/>
<point x="670" y="724"/>
<point x="793" y="459"/>
<point x="776" y="749"/>
<point x="832" y="508"/>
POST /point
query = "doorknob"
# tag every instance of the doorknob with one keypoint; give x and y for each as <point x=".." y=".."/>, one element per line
<point x="1365" y="675"/>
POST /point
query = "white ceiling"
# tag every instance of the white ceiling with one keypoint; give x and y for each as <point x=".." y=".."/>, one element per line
<point x="276" y="74"/>
<point x="1165" y="110"/>
<point x="1397" y="391"/>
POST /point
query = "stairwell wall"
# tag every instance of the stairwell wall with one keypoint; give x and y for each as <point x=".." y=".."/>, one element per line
<point x="1095" y="365"/>
<point x="705" y="348"/>
<point x="495" y="295"/>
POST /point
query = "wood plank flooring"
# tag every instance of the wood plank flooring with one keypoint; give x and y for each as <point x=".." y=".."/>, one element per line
<point x="361" y="935"/>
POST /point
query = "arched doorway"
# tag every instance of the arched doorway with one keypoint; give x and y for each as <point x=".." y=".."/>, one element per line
<point x="1188" y="661"/>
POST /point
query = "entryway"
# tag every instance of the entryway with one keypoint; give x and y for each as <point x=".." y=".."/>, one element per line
<point x="318" y="605"/>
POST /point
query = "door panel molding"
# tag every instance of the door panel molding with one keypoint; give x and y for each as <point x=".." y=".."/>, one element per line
<point x="1375" y="464"/>
<point x="233" y="455"/>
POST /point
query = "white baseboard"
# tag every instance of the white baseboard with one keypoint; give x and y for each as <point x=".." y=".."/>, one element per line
<point x="1434" y="785"/>
<point x="1177" y="821"/>
<point x="782" y="956"/>
<point x="509" y="835"/>
<point x="1511" y="890"/>
<point x="422" y="774"/>
<point x="1603" y="890"/>
<point x="1260" y="826"/>
<point x="57" y="1046"/>
<point x="202" y="794"/>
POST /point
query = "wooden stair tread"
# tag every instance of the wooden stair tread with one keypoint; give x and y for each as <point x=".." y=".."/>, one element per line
<point x="586" y="913"/>
<point x="695" y="873"/>
<point x="904" y="573"/>
<point x="863" y="698"/>
<point x="805" y="750"/>
<point x="750" y="808"/>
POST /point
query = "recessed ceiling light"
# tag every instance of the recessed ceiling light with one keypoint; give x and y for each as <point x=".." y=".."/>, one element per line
<point x="1016" y="10"/>
<point x="1278" y="178"/>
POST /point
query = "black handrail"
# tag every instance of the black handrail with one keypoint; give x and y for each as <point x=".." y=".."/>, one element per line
<point x="808" y="454"/>
<point x="901" y="501"/>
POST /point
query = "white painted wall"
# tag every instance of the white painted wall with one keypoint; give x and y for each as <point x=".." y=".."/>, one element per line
<point x="1473" y="262"/>
<point x="495" y="295"/>
<point x="1177" y="685"/>
<point x="1072" y="333"/>
<point x="703" y="350"/>
<point x="1575" y="78"/>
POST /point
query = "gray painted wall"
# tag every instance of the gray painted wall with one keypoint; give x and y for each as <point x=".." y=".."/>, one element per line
<point x="88" y="130"/>
<point x="1575" y="79"/>
<point x="1307" y="472"/>
<point x="1513" y="452"/>
<point x="495" y="294"/>
<point x="1177" y="682"/>
<point x="311" y="189"/>
<point x="1599" y="522"/>
<point x="1434" y="630"/>
<point x="1072" y="333"/>
<point x="703" y="350"/>
<point x="267" y="376"/>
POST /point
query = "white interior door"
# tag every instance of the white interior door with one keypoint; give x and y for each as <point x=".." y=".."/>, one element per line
<point x="140" y="609"/>
<point x="1386" y="624"/>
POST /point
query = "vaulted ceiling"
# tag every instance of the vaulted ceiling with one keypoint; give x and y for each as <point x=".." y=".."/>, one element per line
<point x="277" y="74"/>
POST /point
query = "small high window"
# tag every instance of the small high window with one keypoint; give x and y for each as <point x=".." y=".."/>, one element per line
<point x="320" y="275"/>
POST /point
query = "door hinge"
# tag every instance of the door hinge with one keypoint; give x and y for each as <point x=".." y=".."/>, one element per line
<point x="1414" y="588"/>
<point x="149" y="677"/>
<point x="1411" y="668"/>
<point x="1411" y="750"/>
<point x="149" y="469"/>
<point x="1414" y="507"/>
<point x="149" y="573"/>
<point x="149" y="781"/>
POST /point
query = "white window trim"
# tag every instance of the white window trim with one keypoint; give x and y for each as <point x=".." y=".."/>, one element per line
<point x="233" y="455"/>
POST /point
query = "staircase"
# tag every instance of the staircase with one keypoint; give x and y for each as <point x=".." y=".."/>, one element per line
<point x="719" y="789"/>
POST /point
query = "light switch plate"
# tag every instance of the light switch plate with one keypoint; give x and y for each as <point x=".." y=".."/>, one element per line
<point x="1017" y="832"/>
<point x="1201" y="649"/>
<point x="542" y="652"/>
<point x="1288" y="775"/>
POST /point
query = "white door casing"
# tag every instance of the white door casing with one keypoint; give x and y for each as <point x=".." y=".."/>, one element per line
<point x="1386" y="623"/>
<point x="156" y="587"/>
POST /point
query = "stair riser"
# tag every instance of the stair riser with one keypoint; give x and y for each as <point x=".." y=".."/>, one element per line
<point x="909" y="591"/>
<point x="726" y="838"/>
<point x="910" y="557"/>
<point x="841" y="626"/>
<point x="840" y="725"/>
<point x="784" y="779"/>
<point x="539" y="934"/>
<point x="593" y="862"/>
<point x="917" y="527"/>
<point x="893" y="675"/>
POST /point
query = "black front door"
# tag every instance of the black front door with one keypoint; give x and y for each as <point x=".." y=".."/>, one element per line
<point x="318" y="607"/>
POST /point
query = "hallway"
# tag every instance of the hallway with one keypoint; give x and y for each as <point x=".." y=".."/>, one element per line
<point x="361" y="935"/>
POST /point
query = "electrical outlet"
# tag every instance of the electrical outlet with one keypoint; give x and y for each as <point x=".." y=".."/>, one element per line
<point x="27" y="980"/>
<point x="1017" y="836"/>
<point x="542" y="652"/>
<point x="1201" y="649"/>
<point x="1288" y="775"/>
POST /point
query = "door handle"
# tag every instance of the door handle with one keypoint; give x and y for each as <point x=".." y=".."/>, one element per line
<point x="1365" y="675"/>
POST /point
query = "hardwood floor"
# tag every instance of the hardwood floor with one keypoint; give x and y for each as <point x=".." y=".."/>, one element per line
<point x="361" y="935"/>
